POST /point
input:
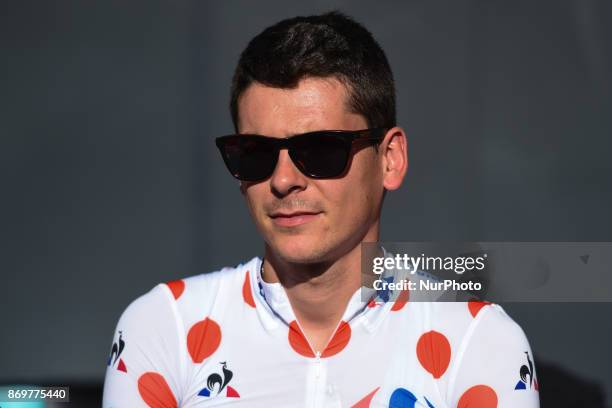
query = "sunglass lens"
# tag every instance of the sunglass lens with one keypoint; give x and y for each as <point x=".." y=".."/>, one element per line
<point x="321" y="155"/>
<point x="249" y="158"/>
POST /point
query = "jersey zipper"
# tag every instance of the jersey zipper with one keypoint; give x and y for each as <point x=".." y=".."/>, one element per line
<point x="317" y="362"/>
<point x="317" y="379"/>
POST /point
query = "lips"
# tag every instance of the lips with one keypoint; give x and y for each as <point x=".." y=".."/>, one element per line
<point x="293" y="219"/>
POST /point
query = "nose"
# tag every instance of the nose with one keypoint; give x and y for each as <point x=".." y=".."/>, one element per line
<point x="286" y="177"/>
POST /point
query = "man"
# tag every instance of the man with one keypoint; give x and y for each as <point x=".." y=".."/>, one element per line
<point x="316" y="148"/>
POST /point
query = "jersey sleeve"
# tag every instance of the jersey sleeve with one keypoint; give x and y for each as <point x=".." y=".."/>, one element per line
<point x="496" y="367"/>
<point x="144" y="363"/>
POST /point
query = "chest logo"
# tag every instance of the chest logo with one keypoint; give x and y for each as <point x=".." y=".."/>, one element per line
<point x="116" y="354"/>
<point x="216" y="383"/>
<point x="527" y="376"/>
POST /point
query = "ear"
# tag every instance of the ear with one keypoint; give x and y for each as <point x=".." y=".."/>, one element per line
<point x="394" y="151"/>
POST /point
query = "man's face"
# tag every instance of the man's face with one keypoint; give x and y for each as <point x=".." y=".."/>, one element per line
<point x="305" y="220"/>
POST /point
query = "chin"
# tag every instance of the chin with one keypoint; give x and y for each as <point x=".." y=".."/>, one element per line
<point x="299" y="251"/>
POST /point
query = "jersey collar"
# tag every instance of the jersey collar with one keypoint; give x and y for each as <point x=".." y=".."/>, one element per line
<point x="274" y="309"/>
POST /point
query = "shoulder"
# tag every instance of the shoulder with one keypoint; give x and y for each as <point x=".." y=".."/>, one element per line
<point x="152" y="338"/>
<point x="489" y="353"/>
<point x="483" y="323"/>
<point x="494" y="341"/>
<point x="210" y="294"/>
<point x="154" y="325"/>
<point x="207" y="289"/>
<point x="211" y="281"/>
<point x="460" y="319"/>
<point x="174" y="299"/>
<point x="142" y="311"/>
<point x="475" y="324"/>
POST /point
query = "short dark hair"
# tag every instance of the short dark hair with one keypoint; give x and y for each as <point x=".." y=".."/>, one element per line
<point x="327" y="45"/>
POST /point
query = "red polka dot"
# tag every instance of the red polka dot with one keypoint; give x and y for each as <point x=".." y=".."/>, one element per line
<point x="203" y="339"/>
<point x="247" y="294"/>
<point x="434" y="353"/>
<point x="365" y="401"/>
<point x="401" y="301"/>
<point x="155" y="391"/>
<point x="298" y="341"/>
<point x="177" y="287"/>
<point x="339" y="341"/>
<point x="478" y="396"/>
<point x="475" y="305"/>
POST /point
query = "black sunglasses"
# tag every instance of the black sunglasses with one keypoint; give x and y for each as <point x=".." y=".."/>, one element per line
<point x="321" y="154"/>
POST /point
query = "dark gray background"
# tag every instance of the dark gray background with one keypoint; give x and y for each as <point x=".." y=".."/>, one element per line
<point x="110" y="182"/>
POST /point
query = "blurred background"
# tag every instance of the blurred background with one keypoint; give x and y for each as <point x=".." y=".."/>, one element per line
<point x="111" y="183"/>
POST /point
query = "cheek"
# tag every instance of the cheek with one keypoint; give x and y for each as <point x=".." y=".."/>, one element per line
<point x="353" y="199"/>
<point x="254" y="197"/>
<point x="366" y="181"/>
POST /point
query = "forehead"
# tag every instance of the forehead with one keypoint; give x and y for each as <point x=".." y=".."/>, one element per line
<point x="315" y="104"/>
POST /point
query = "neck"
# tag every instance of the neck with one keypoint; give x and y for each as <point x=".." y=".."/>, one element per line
<point x="318" y="292"/>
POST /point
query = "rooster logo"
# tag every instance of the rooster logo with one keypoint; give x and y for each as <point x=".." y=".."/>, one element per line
<point x="116" y="353"/>
<point x="527" y="376"/>
<point x="218" y="382"/>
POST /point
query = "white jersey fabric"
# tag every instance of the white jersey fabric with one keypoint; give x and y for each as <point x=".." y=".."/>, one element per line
<point x="229" y="338"/>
